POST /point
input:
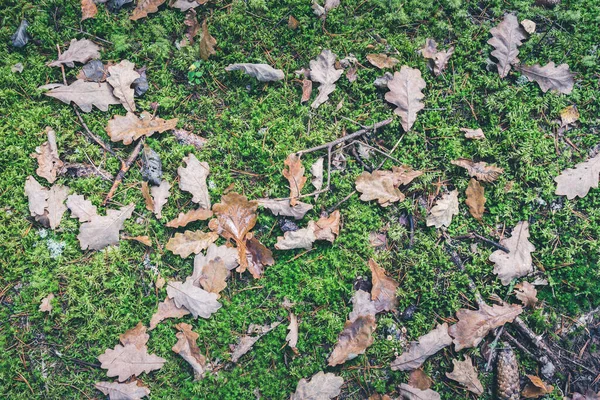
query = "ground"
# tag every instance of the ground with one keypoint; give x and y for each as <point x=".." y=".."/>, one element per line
<point x="251" y="127"/>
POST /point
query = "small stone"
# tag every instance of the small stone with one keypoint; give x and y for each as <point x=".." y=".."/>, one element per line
<point x="529" y="26"/>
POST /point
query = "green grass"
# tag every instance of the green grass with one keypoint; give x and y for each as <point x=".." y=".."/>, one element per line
<point x="99" y="295"/>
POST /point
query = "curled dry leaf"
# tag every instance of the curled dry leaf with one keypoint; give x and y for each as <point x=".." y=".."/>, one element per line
<point x="518" y="262"/>
<point x="262" y="72"/>
<point x="198" y="302"/>
<point x="283" y="207"/>
<point x="326" y="227"/>
<point x="102" y="231"/>
<point x="130" y="127"/>
<point x="49" y="163"/>
<point x="411" y="393"/>
<point x="122" y="391"/>
<point x="441" y="214"/>
<point x="192" y="179"/>
<point x="421" y="350"/>
<point x="183" y="219"/>
<point x="160" y="195"/>
<point x="80" y="51"/>
<point x="188" y="349"/>
<point x="307" y="87"/>
<point x="506" y="39"/>
<point x="475" y="199"/>
<point x="258" y="257"/>
<point x="480" y="170"/>
<point x="317" y="172"/>
<point x="550" y="77"/>
<point x="294" y="173"/>
<point x="526" y="293"/>
<point x="507" y="372"/>
<point x="569" y="115"/>
<point x="382" y="61"/>
<point x="85" y="95"/>
<point x="362" y="305"/>
<point x="299" y="239"/>
<point x="136" y="336"/>
<point x="191" y="21"/>
<point x="322" y="71"/>
<point x="465" y="374"/>
<point x="475" y="134"/>
<point x="536" y="388"/>
<point x="292" y="336"/>
<point x="321" y="386"/>
<point x="45" y="305"/>
<point x="228" y="255"/>
<point x="353" y="340"/>
<point x="406" y="94"/>
<point x="384" y="289"/>
<point x="474" y="325"/>
<point x="145" y="240"/>
<point x="167" y="309"/>
<point x="120" y="77"/>
<point x="189" y="138"/>
<point x="379" y="186"/>
<point x="145" y="7"/>
<point x="246" y="342"/>
<point x="578" y="181"/>
<point x="88" y="10"/>
<point x="56" y="204"/>
<point x="81" y="208"/>
<point x="213" y="276"/>
<point x="184" y="244"/>
<point x="438" y="59"/>
<point x="419" y="379"/>
<point x="147" y="197"/>
<point x="207" y="43"/>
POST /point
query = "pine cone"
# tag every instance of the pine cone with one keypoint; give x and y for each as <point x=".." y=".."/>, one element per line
<point x="508" y="375"/>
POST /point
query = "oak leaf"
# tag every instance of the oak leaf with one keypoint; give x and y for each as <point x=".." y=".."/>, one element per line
<point x="292" y="336"/>
<point x="382" y="61"/>
<point x="419" y="379"/>
<point x="379" y="186"/>
<point x="465" y="374"/>
<point x="129" y="127"/>
<point x="446" y="207"/>
<point x="81" y="208"/>
<point x="145" y="7"/>
<point x="184" y="244"/>
<point x="199" y="214"/>
<point x="526" y="293"/>
<point x="321" y="386"/>
<point x="88" y="10"/>
<point x="80" y="51"/>
<point x="191" y="21"/>
<point x="475" y="134"/>
<point x="283" y="207"/>
<point x="85" y="95"/>
<point x="212" y="277"/>
<point x="188" y="349"/>
<point x="120" y="77"/>
<point x="167" y="309"/>
<point x="362" y="305"/>
<point x="425" y="347"/>
<point x="192" y="179"/>
<point x="37" y="196"/>
<point x="411" y="393"/>
<point x="536" y="388"/>
<point x="228" y="255"/>
<point x="384" y="289"/>
<point x="353" y="340"/>
<point x="207" y="43"/>
<point x="438" y="59"/>
<point x="480" y="170"/>
<point x="136" y="336"/>
<point x="262" y="72"/>
<point x="45" y="305"/>
<point x="578" y="181"/>
<point x="506" y="39"/>
<point x="322" y="71"/>
<point x="294" y="173"/>
<point x="406" y="94"/>
<point x="550" y="77"/>
<point x="160" y="195"/>
<point x="299" y="239"/>
<point x="518" y="262"/>
<point x="316" y="171"/>
<point x="198" y="302"/>
<point x="246" y="342"/>
<point x="56" y="204"/>
<point x="326" y="227"/>
<point x="258" y="256"/>
<point x="122" y="391"/>
<point x="189" y="138"/>
<point x="49" y="163"/>
<point x="475" y="199"/>
<point x="569" y="115"/>
<point x="102" y="231"/>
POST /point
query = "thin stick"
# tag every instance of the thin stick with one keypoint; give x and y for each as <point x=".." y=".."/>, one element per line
<point x="89" y="34"/>
<point x="124" y="168"/>
<point x="474" y="235"/>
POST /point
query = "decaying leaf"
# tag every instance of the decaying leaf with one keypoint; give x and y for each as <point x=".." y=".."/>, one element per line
<point x="147" y="197"/>
<point x="384" y="289"/>
<point x="49" y="163"/>
<point x="130" y="127"/>
<point x="317" y="172"/>
<point x="122" y="391"/>
<point x="322" y="386"/>
<point x="465" y="374"/>
<point x="207" y="43"/>
<point x="480" y="170"/>
<point x="145" y="7"/>
<point x="283" y="207"/>
<point x="526" y="293"/>
<point x="188" y="349"/>
<point x="190" y="138"/>
<point x="88" y="10"/>
<point x="81" y="208"/>
<point x="508" y="375"/>
<point x="199" y="214"/>
<point x="85" y="95"/>
<point x="151" y="166"/>
<point x="258" y="257"/>
<point x="421" y="350"/>
<point x="80" y="51"/>
<point x="167" y="309"/>
<point x="102" y="231"/>
<point x="536" y="388"/>
<point x="506" y="39"/>
<point x="300" y="239"/>
<point x="588" y="395"/>
<point x="474" y="325"/>
<point x="475" y="199"/>
<point x="213" y="275"/>
<point x="550" y="77"/>
<point x="145" y="240"/>
<point x="441" y="214"/>
<point x="307" y="87"/>
<point x="192" y="179"/>
<point x="578" y="181"/>
<point x="382" y="61"/>
<point x="569" y="115"/>
<point x="294" y="173"/>
<point x="475" y="134"/>
<point x="184" y="244"/>
<point x="406" y="94"/>
<point x="46" y="305"/>
<point x="185" y="5"/>
<point x="362" y="305"/>
<point x="191" y="21"/>
<point x="419" y="379"/>
<point x="160" y="195"/>
<point x="438" y="59"/>
<point x="518" y="262"/>
<point x="198" y="302"/>
<point x="20" y="38"/>
<point x="37" y="196"/>
<point x="246" y="342"/>
<point x="326" y="227"/>
<point x="262" y="72"/>
<point x="411" y="393"/>
<point x="56" y="204"/>
<point x="121" y="76"/>
<point x="227" y="255"/>
<point x="322" y="71"/>
<point x="292" y="336"/>
<point x="379" y="186"/>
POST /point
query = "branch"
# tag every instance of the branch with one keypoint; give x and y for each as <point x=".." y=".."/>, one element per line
<point x="475" y="235"/>
<point x="124" y="168"/>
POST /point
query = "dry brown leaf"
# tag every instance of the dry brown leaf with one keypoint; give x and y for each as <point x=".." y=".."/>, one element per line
<point x="536" y="388"/>
<point x="465" y="374"/>
<point x="322" y="71"/>
<point x="283" y="207"/>
<point x="136" y="336"/>
<point x="258" y="256"/>
<point x="122" y="391"/>
<point x="307" y="87"/>
<point x="85" y="95"/>
<point x="294" y="173"/>
<point x="293" y="23"/>
<point x="80" y="51"/>
<point x="188" y="349"/>
<point x="191" y="21"/>
<point x="411" y="393"/>
<point x="81" y="208"/>
<point x="406" y="94"/>
<point x="292" y="336"/>
<point x="145" y="240"/>
<point x="145" y="7"/>
<point x="378" y="185"/>
<point x="185" y="5"/>
<point x="578" y="181"/>
<point x="102" y="231"/>
<point x="508" y="374"/>
<point x="262" y="72"/>
<point x="518" y="262"/>
<point x="419" y="379"/>
<point x="56" y="204"/>
<point x="446" y="207"/>
<point x="300" y="239"/>
<point x="438" y="59"/>
<point x="198" y="302"/>
<point x="246" y="342"/>
<point x="129" y="128"/>
<point x="167" y="309"/>
<point x="429" y="49"/>
<point x="326" y="228"/>
<point x="474" y="325"/>
<point x="550" y="77"/>
<point x="475" y="134"/>
<point x="45" y="305"/>
<point x="160" y="195"/>
<point x="88" y="10"/>
<point x="475" y="199"/>
<point x="384" y="289"/>
<point x="212" y="277"/>
<point x="506" y="39"/>
<point x="189" y="138"/>
<point x="183" y="219"/>
<point x="120" y="77"/>
<point x="378" y="240"/>
<point x="316" y="171"/>
<point x="353" y="340"/>
<point x="192" y="179"/>
<point x="37" y="196"/>
<point x="362" y="305"/>
<point x="184" y="244"/>
<point x="382" y="61"/>
<point x="589" y="395"/>
<point x="526" y="293"/>
<point x="207" y="43"/>
<point x="322" y="386"/>
<point x="569" y="115"/>
<point x="227" y="255"/>
<point x="148" y="200"/>
<point x="49" y="163"/>
<point x="480" y="170"/>
<point x="421" y="350"/>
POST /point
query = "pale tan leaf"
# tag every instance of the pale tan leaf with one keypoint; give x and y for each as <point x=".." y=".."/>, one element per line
<point x="506" y="39"/>
<point x="353" y="340"/>
<point x="37" y="196"/>
<point x="80" y="51"/>
<point x="189" y="138"/>
<point x="307" y="87"/>
<point x="536" y="388"/>
<point x="120" y="77"/>
<point x="246" y="342"/>
<point x="378" y="185"/>
<point x="384" y="289"/>
<point x="429" y="49"/>
<point x="148" y="200"/>
<point x="102" y="231"/>
<point x="526" y="293"/>
<point x="227" y="255"/>
<point x="406" y="94"/>
<point x="49" y="163"/>
<point x="292" y="336"/>
<point x="578" y="181"/>
<point x="184" y="244"/>
<point x="207" y="43"/>
<point x="122" y="391"/>
<point x="474" y="325"/>
<point x="294" y="173"/>
<point x="185" y="5"/>
<point x="85" y="95"/>
<point x="193" y="180"/>
<point x="46" y="305"/>
<point x="258" y="256"/>
<point x="160" y="195"/>
<point x="465" y="374"/>
<point x="438" y="59"/>
<point x="382" y="61"/>
<point x="183" y="219"/>
<point x="475" y="134"/>
<point x="403" y="175"/>
<point x="421" y="350"/>
<point x="300" y="239"/>
<point x="81" y="208"/>
<point x="145" y="7"/>
<point x="362" y="306"/>
<point x="475" y="199"/>
<point x="88" y="10"/>
<point x="550" y="77"/>
<point x="326" y="227"/>
<point x="321" y="386"/>
<point x="529" y="26"/>
<point x="56" y="204"/>
<point x="129" y="128"/>
<point x="126" y="361"/>
<point x="322" y="71"/>
<point x="518" y="262"/>
<point x="262" y="72"/>
<point x="569" y="115"/>
<point x="191" y="21"/>
<point x="480" y="170"/>
<point x="188" y="349"/>
<point x="419" y="379"/>
<point x="445" y="208"/>
<point x="283" y="207"/>
<point x="317" y="172"/>
<point x="212" y="277"/>
<point x="167" y="309"/>
<point x="197" y="301"/>
<point x="136" y="336"/>
<point x="145" y="240"/>
<point x="412" y="393"/>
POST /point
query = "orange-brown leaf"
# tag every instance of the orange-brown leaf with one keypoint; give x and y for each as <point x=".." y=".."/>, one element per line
<point x="188" y="349"/>
<point x="536" y="388"/>
<point x="167" y="309"/>
<point x="384" y="289"/>
<point x="130" y="127"/>
<point x="258" y="256"/>
<point x="88" y="9"/>
<point x="354" y="340"/>
<point x="526" y="292"/>
<point x="207" y="43"/>
<point x="213" y="276"/>
<point x="475" y="199"/>
<point x="327" y="228"/>
<point x="294" y="173"/>
<point x="183" y="219"/>
<point x="145" y="7"/>
<point x="419" y="379"/>
<point x="382" y="61"/>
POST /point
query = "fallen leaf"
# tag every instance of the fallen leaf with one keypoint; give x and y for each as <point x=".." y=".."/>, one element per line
<point x="382" y="61"/>
<point x="381" y="82"/>
<point x="307" y="87"/>
<point x="93" y="71"/>
<point x="122" y="391"/>
<point x="258" y="256"/>
<point x="45" y="305"/>
<point x="321" y="386"/>
<point x="405" y="93"/>
<point x="189" y="138"/>
<point x="518" y="262"/>
<point x="185" y="5"/>
<point x="227" y="255"/>
<point x="362" y="305"/>
<point x="465" y="374"/>
<point x="283" y="207"/>
<point x="37" y="196"/>
<point x="80" y="51"/>
<point x="148" y="200"/>
<point x="507" y="371"/>
<point x="446" y="207"/>
<point x="102" y="231"/>
<point x="475" y="199"/>
<point x="300" y="239"/>
<point x="160" y="195"/>
<point x="121" y="76"/>
<point x="429" y="49"/>
<point x="474" y="325"/>
<point x="81" y="208"/>
<point x="49" y="163"/>
<point x="191" y="21"/>
<point x="212" y="276"/>
<point x="136" y="336"/>
<point x="262" y="72"/>
<point x="322" y="71"/>
<point x="293" y="23"/>
<point x="88" y="10"/>
<point x="316" y="171"/>
<point x="526" y="293"/>
<point x="145" y="7"/>
<point x="412" y="393"/>
<point x="192" y="179"/>
<point x="184" y="244"/>
<point x="419" y="379"/>
<point x="378" y="240"/>
<point x="578" y="181"/>
<point x="20" y="38"/>
<point x="85" y="95"/>
<point x="56" y="204"/>
<point x="384" y="289"/>
<point x="378" y="185"/>
<point x="536" y="388"/>
<point x="198" y="302"/>
<point x="327" y="227"/>
<point x="294" y="173"/>
<point x="475" y="134"/>
<point x="589" y="395"/>
<point x="207" y="43"/>
<point x="167" y="309"/>
<point x="145" y="240"/>
<point x="292" y="336"/>
<point x="129" y="127"/>
<point x="199" y="214"/>
<point x="550" y="77"/>
<point x="188" y="349"/>
<point x="246" y="342"/>
<point x="421" y="350"/>
<point x="353" y="340"/>
<point x="529" y="26"/>
<point x="351" y="74"/>
<point x="480" y="170"/>
<point x="569" y="115"/>
<point x="438" y="59"/>
<point x="506" y="39"/>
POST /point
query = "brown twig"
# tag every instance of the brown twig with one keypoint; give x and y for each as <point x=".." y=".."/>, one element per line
<point x="474" y="235"/>
<point x="124" y="168"/>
